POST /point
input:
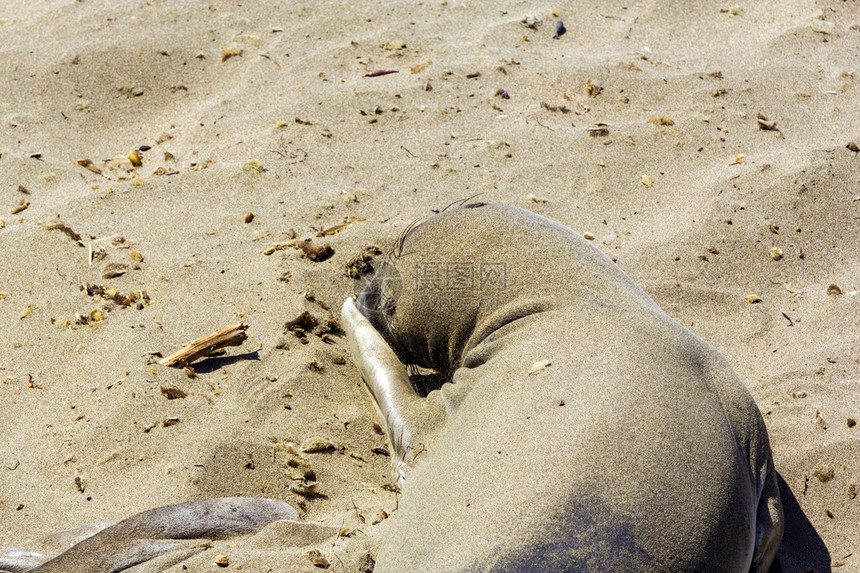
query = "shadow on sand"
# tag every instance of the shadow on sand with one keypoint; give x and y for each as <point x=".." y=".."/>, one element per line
<point x="802" y="549"/>
<point x="208" y="365"/>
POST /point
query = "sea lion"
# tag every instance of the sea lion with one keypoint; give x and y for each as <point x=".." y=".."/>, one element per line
<point x="160" y="537"/>
<point x="578" y="427"/>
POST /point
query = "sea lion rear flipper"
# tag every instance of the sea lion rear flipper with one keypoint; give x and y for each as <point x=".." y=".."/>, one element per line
<point x="168" y="535"/>
<point x="33" y="553"/>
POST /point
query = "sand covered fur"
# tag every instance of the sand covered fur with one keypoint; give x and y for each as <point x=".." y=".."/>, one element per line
<point x="631" y="447"/>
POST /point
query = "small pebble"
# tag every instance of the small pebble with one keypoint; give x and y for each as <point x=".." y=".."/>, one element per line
<point x="530" y="22"/>
<point x="394" y="45"/>
<point x="539" y="365"/>
<point x="822" y="26"/>
<point x="222" y="560"/>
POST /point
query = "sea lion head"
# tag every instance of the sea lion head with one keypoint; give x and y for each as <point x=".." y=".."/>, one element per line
<point x="473" y="265"/>
<point x="428" y="278"/>
<point x="378" y="300"/>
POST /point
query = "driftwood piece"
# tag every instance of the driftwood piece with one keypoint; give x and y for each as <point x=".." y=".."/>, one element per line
<point x="231" y="336"/>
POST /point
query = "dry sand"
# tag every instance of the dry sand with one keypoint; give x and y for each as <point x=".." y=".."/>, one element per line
<point x="682" y="186"/>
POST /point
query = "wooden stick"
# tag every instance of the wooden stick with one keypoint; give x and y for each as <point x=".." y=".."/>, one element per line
<point x="231" y="336"/>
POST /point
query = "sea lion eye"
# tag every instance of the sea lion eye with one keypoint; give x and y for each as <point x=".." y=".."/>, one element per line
<point x="389" y="305"/>
<point x="368" y="300"/>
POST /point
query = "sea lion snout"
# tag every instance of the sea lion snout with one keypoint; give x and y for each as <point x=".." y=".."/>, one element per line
<point x="368" y="301"/>
<point x="377" y="301"/>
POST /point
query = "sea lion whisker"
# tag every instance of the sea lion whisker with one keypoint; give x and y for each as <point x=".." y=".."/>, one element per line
<point x="397" y="250"/>
<point x="461" y="202"/>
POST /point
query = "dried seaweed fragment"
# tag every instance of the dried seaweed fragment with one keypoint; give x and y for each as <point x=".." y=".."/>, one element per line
<point x="347" y="221"/>
<point x="301" y="325"/>
<point x="592" y="89"/>
<point x="314" y="252"/>
<point x="139" y="297"/>
<point x="173" y="393"/>
<point x="418" y="67"/>
<point x="306" y="322"/>
<point x="22" y="205"/>
<point x="230" y="52"/>
<point x="362" y="265"/>
<point x="130" y="91"/>
<point x="562" y="108"/>
<point x="316" y="444"/>
<point x="598" y="130"/>
<point x="89" y="165"/>
<point x="661" y="120"/>
<point x="58" y="225"/>
<point x="113" y="270"/>
<point x="765" y="124"/>
<point x="377" y="73"/>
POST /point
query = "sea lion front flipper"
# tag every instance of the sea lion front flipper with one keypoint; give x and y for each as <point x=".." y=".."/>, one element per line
<point x="407" y="416"/>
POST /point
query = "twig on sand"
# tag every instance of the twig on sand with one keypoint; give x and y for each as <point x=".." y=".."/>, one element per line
<point x="233" y="335"/>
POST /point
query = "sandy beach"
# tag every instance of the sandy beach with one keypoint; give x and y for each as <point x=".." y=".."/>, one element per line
<point x="159" y="160"/>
